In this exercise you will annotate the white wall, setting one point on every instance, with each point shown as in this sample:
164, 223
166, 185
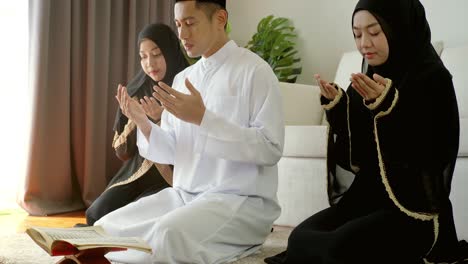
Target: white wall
324, 27
448, 20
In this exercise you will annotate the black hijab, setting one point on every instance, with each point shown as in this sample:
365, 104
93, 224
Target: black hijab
142, 84
409, 38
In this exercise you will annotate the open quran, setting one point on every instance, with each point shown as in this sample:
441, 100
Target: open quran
86, 245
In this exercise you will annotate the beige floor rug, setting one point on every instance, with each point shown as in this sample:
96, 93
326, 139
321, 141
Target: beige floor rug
20, 249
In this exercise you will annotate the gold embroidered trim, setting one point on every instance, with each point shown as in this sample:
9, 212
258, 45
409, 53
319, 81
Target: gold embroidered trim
116, 136
122, 138
416, 215
428, 262
335, 101
381, 98
145, 166
327, 179
436, 233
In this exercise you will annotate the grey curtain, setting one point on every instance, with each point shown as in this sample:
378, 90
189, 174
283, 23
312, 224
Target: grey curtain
79, 51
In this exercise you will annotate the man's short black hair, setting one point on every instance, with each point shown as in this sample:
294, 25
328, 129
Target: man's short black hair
221, 3
209, 7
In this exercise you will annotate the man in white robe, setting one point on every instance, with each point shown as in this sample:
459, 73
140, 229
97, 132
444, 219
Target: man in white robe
223, 130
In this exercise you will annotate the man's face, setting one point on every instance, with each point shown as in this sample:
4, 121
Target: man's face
197, 33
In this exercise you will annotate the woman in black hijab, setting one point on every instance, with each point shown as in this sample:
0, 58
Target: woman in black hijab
396, 130
161, 59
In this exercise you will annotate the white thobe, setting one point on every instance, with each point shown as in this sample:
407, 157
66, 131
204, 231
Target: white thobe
223, 201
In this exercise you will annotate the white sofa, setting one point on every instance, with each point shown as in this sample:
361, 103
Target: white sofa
302, 169
302, 183
456, 60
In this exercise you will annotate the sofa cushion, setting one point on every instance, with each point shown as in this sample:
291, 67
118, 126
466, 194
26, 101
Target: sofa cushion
305, 141
463, 147
302, 189
349, 63
438, 46
301, 104
459, 197
455, 59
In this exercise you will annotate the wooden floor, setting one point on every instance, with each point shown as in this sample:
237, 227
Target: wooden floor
17, 220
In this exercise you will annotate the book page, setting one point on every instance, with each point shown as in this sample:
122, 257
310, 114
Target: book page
73, 233
40, 239
91, 237
125, 242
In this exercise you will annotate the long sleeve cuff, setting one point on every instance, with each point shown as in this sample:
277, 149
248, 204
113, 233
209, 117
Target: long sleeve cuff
378, 101
142, 143
159, 148
385, 101
330, 104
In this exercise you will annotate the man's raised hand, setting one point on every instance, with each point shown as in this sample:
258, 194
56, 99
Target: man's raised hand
187, 107
152, 108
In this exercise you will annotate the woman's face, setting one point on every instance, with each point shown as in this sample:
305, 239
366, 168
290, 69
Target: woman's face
370, 38
152, 60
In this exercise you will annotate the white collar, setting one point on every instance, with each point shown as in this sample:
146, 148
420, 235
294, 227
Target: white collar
219, 56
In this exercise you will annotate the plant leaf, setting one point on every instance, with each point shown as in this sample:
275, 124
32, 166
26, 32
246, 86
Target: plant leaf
273, 42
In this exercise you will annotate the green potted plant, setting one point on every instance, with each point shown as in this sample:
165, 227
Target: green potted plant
274, 43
